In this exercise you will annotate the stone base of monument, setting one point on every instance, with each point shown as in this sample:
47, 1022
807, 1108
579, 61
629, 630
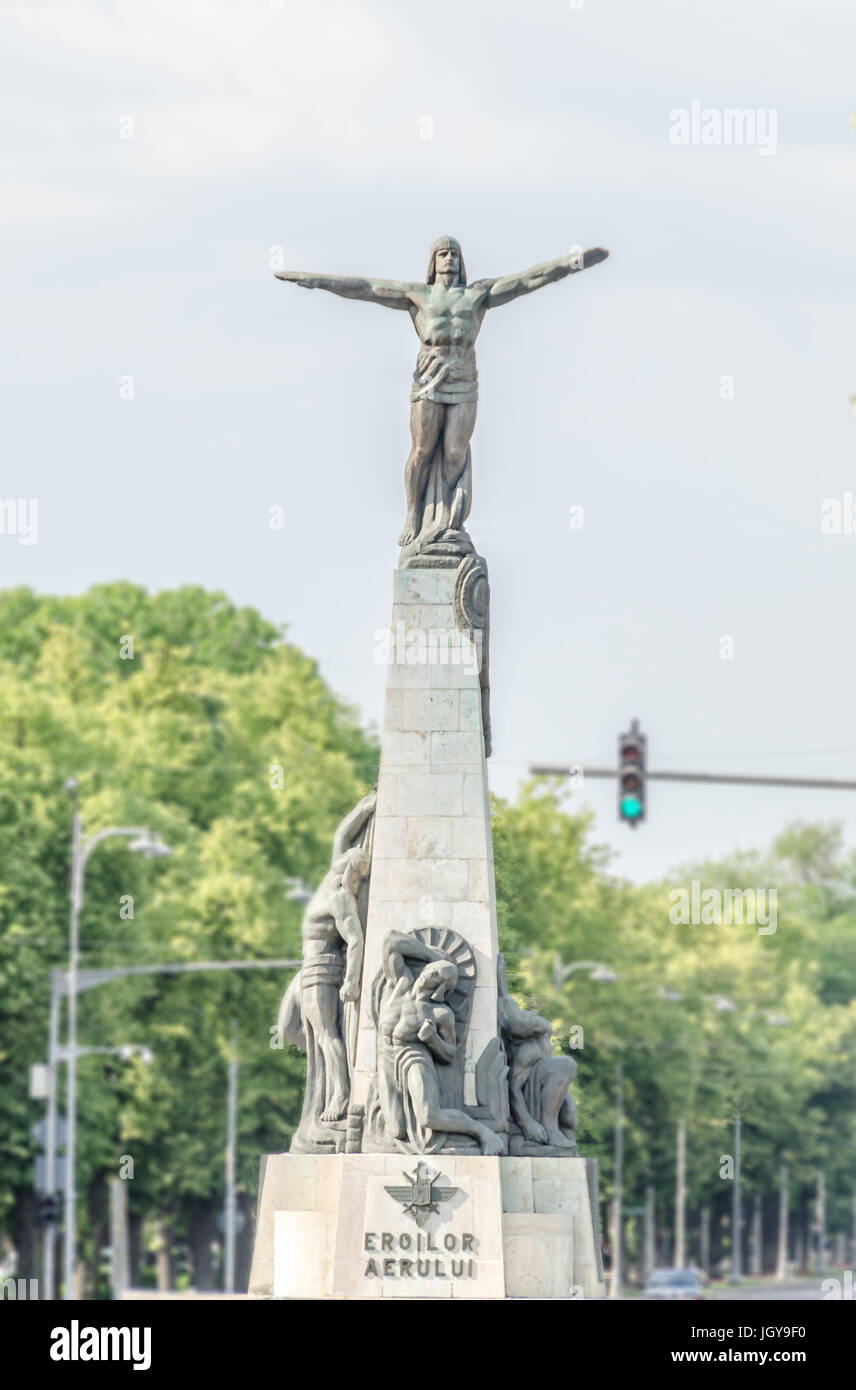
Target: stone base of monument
404, 1226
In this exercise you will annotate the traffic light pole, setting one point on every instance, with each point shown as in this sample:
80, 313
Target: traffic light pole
722, 778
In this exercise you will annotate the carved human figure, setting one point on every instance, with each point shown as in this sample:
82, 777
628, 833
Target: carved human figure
538, 1081
311, 1013
415, 1035
447, 314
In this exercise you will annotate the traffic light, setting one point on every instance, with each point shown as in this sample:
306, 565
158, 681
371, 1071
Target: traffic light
632, 751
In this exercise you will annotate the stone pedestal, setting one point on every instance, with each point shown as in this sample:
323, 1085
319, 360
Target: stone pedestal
432, 858
427, 1189
329, 1227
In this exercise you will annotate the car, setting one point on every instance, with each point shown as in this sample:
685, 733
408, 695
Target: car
674, 1283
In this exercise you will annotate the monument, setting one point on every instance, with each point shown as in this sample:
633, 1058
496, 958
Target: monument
435, 1155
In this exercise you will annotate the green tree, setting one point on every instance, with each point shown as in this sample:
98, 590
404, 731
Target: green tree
216, 733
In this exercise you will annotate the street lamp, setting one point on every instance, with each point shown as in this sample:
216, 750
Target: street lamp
143, 842
297, 891
130, 1050
596, 968
91, 979
152, 846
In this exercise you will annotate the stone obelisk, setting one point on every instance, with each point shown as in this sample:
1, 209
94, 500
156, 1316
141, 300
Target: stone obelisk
435, 1155
432, 862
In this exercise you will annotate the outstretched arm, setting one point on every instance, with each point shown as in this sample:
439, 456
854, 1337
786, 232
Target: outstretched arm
508, 287
348, 829
392, 294
521, 1023
399, 944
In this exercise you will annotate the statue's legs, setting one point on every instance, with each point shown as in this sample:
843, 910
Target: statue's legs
425, 1099
321, 1011
429, 420
391, 1105
457, 432
567, 1118
426, 422
554, 1076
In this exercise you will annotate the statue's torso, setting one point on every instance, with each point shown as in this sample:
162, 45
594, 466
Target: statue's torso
449, 316
447, 319
402, 1016
319, 925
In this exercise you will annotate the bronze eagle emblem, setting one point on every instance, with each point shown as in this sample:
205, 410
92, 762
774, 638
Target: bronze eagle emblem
420, 1198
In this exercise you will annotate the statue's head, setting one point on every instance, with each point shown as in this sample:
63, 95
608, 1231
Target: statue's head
356, 869
446, 258
436, 979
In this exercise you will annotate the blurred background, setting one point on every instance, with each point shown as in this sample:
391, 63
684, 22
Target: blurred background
201, 489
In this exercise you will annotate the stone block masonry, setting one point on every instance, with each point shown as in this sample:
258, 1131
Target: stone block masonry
432, 862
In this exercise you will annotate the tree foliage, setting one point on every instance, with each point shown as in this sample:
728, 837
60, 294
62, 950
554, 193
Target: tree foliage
179, 712
213, 731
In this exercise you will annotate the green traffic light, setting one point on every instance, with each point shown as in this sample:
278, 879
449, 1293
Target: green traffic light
631, 807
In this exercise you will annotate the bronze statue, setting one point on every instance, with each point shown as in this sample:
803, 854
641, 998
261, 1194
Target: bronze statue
314, 1009
447, 314
538, 1081
417, 1035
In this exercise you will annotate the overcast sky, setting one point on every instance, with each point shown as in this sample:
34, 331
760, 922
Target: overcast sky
156, 152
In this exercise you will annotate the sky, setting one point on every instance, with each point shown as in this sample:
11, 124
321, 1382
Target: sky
692, 395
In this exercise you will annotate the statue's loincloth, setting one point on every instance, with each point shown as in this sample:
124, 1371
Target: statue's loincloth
328, 969
407, 1056
445, 376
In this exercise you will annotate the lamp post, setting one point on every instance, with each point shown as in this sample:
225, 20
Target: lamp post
91, 979
736, 1209
230, 1205
57, 1054
153, 848
681, 1194
773, 1020
782, 1249
618, 1200
49, 1239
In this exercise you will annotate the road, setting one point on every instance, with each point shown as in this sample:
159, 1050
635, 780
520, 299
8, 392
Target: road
800, 1291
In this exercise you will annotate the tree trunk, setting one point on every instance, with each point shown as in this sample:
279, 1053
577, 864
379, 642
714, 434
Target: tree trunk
135, 1241
163, 1258
203, 1232
25, 1233
244, 1250
99, 1238
755, 1237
